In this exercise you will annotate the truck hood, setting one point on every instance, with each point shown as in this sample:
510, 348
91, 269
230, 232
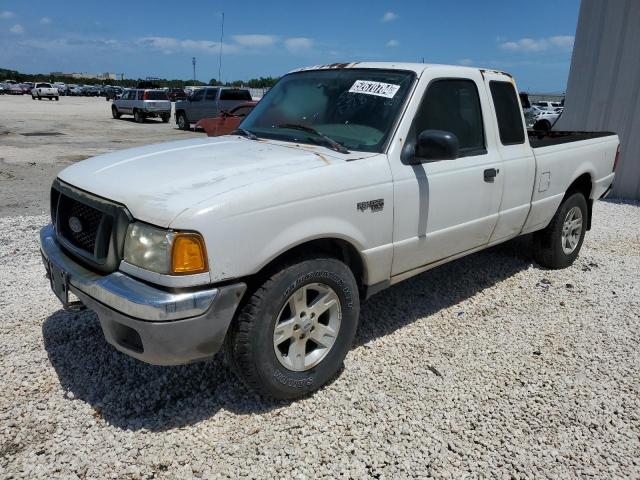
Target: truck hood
158, 182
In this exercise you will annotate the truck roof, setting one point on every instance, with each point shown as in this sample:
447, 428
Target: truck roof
418, 68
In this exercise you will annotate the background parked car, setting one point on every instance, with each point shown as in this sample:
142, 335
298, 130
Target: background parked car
208, 102
112, 92
90, 91
74, 90
62, 88
15, 89
226, 122
44, 90
545, 120
142, 104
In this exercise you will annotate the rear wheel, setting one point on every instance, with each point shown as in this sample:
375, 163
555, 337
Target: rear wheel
32, 97
295, 330
57, 99
138, 116
115, 112
558, 245
165, 118
183, 123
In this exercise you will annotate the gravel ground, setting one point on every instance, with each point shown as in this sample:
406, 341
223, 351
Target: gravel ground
489, 366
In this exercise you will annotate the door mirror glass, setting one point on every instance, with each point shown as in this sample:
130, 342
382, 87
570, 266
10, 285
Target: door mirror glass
434, 145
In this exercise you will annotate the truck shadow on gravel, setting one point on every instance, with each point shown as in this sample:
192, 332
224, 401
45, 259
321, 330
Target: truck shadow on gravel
132, 395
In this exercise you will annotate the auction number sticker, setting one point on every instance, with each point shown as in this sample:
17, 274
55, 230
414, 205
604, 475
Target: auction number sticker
379, 89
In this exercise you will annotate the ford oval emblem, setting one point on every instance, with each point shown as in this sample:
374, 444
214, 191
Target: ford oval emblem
75, 225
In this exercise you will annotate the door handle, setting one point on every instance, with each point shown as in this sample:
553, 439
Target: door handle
490, 174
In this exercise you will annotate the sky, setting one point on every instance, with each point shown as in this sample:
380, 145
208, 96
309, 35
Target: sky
531, 40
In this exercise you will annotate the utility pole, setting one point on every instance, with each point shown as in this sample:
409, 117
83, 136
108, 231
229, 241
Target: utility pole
193, 61
220, 59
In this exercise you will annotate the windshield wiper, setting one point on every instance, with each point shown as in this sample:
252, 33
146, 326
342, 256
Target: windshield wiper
244, 132
328, 140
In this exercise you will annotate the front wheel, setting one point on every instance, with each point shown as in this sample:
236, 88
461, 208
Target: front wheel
558, 245
183, 123
114, 112
295, 330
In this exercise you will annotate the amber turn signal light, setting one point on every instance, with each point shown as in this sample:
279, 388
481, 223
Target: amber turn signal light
188, 254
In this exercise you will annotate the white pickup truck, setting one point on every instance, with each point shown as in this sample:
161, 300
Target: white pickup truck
345, 179
44, 90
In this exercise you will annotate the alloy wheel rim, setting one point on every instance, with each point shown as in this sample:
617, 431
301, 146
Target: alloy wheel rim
307, 327
571, 230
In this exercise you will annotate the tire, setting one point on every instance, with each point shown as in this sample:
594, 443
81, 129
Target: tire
542, 126
251, 347
557, 246
32, 97
138, 116
181, 120
165, 118
57, 99
39, 97
114, 112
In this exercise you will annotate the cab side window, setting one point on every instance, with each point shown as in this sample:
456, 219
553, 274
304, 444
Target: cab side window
197, 95
453, 105
212, 94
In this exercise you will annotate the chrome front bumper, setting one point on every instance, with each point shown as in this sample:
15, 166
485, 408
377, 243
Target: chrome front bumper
151, 324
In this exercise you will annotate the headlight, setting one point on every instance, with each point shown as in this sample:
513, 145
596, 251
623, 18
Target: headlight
165, 251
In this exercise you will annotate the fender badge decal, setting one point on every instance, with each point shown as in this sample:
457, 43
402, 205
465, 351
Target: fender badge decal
374, 205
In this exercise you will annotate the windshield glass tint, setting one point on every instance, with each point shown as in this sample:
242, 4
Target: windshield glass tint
355, 107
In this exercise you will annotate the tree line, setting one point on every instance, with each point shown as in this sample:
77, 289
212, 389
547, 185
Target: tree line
6, 74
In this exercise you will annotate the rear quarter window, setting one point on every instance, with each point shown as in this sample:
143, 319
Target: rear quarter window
505, 102
235, 94
156, 95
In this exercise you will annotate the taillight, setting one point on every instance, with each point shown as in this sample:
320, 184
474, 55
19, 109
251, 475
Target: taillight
615, 162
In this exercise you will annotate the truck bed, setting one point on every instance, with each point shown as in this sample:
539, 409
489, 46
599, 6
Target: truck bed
539, 139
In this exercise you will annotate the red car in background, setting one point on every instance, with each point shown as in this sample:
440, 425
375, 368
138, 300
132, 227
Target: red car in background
226, 122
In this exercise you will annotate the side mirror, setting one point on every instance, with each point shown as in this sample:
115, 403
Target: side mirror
434, 145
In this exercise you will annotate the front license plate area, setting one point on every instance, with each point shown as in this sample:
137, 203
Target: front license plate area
59, 283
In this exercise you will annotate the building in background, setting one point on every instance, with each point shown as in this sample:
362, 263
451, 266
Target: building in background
96, 76
603, 92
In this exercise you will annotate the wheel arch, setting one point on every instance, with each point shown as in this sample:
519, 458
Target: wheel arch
336, 247
582, 184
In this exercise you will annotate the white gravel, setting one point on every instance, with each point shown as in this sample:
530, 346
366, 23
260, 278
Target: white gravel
489, 366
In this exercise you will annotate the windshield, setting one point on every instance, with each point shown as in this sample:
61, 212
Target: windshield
355, 107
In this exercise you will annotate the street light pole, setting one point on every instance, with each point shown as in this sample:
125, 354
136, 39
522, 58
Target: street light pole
220, 59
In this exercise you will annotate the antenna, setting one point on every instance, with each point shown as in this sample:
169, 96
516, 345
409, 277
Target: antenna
220, 59
193, 61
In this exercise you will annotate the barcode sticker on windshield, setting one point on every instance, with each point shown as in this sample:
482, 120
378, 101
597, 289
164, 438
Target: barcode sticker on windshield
379, 89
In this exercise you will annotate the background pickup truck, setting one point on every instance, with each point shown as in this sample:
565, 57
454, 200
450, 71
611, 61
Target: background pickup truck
208, 102
343, 180
44, 90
